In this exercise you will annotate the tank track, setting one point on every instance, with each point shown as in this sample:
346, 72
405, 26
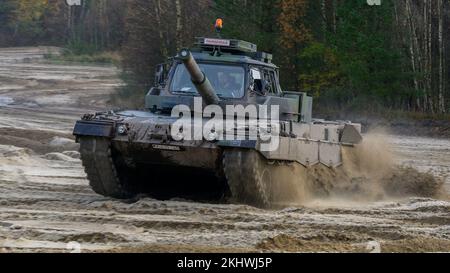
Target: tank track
101, 170
249, 177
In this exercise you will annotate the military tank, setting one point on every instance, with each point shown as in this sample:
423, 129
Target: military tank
126, 153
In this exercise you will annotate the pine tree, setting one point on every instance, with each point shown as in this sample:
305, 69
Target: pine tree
7, 17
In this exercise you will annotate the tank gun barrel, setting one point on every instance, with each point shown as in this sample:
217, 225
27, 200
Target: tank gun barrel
198, 77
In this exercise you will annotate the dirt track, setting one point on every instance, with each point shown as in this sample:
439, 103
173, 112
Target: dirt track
45, 201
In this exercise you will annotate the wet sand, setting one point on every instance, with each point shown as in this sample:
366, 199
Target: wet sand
46, 203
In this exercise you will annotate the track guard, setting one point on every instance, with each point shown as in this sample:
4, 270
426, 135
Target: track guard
94, 129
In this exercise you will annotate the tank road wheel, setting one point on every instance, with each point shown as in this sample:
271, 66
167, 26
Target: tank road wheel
101, 168
249, 177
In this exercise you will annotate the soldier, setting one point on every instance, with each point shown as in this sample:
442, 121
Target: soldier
228, 85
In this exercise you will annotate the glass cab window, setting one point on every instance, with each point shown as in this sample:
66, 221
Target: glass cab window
264, 81
228, 81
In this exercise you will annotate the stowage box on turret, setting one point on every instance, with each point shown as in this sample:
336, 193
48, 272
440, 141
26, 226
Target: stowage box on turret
217, 113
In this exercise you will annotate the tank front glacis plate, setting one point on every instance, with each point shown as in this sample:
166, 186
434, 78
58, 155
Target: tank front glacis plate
143, 137
148, 128
157, 132
94, 128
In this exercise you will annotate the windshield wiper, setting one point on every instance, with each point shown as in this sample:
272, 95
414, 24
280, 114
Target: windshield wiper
195, 93
185, 92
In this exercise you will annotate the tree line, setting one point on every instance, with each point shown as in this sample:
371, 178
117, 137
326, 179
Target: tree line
94, 25
346, 53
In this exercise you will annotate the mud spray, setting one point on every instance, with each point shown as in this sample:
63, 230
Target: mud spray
369, 173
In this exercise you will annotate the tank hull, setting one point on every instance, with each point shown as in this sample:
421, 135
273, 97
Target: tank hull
147, 137
140, 154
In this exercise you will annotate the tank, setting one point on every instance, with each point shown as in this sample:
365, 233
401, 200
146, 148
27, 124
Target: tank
216, 126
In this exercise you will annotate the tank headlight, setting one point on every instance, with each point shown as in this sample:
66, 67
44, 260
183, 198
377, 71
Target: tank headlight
122, 129
179, 136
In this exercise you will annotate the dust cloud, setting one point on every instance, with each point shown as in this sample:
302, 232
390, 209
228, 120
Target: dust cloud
369, 173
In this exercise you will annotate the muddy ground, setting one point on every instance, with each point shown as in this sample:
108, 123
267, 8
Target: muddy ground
47, 206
